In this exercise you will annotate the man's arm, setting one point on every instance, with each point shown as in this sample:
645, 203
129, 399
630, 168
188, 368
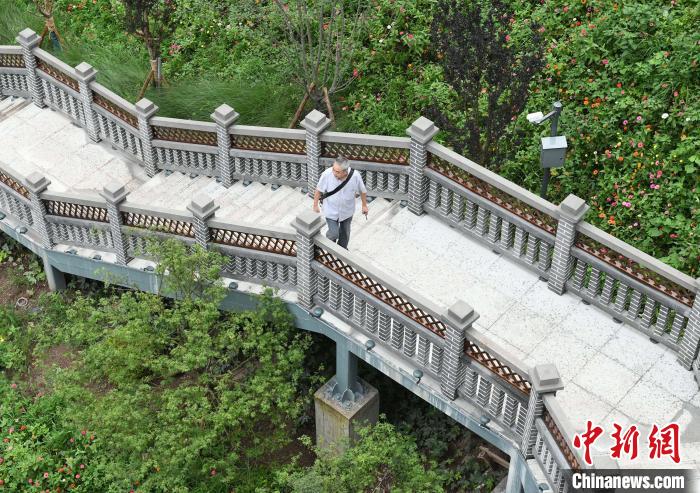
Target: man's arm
363, 194
317, 197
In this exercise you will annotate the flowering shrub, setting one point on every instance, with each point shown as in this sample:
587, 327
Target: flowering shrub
627, 75
36, 452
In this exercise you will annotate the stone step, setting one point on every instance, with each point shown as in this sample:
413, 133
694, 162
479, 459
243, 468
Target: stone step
268, 212
10, 106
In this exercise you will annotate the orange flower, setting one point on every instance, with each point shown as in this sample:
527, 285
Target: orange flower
595, 171
620, 159
601, 215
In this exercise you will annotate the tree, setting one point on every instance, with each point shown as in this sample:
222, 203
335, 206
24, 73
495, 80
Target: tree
45, 8
324, 35
489, 67
152, 21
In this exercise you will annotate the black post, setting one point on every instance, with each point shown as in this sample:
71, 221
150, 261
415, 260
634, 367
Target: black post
545, 183
556, 111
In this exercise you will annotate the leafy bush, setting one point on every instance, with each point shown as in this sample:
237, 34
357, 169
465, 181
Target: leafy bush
174, 395
383, 459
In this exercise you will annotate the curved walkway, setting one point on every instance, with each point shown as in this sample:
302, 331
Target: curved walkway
612, 373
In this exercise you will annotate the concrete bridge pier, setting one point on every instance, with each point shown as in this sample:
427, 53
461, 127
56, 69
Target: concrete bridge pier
54, 277
344, 403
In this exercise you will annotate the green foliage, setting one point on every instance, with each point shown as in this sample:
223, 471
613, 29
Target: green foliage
383, 459
627, 76
177, 395
14, 342
36, 451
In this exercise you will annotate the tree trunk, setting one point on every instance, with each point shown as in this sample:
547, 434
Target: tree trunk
154, 54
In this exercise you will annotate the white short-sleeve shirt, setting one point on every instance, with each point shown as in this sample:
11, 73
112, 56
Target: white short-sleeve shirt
340, 205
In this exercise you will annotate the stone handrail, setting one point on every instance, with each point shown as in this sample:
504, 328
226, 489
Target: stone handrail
436, 339
550, 240
636, 264
495, 188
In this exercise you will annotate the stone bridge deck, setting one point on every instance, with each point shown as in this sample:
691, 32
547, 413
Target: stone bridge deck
612, 373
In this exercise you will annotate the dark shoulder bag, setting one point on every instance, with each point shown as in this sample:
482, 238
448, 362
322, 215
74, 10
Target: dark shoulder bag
325, 195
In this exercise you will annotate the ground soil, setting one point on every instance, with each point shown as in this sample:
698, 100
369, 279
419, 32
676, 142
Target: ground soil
11, 292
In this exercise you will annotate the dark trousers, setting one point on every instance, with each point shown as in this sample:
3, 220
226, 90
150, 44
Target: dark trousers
339, 231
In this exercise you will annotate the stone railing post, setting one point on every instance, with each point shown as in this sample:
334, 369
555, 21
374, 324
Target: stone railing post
421, 132
458, 318
544, 379
86, 74
571, 212
307, 225
29, 40
145, 109
690, 345
314, 123
202, 208
115, 194
36, 184
225, 117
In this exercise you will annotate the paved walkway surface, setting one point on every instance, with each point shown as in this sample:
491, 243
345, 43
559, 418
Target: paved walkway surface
612, 373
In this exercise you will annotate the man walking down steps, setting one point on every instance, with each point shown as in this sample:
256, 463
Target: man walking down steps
336, 191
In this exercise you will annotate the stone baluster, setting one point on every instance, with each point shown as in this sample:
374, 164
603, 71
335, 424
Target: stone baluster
115, 194
421, 132
544, 379
571, 212
690, 344
307, 225
29, 40
202, 208
314, 123
458, 318
85, 75
145, 109
225, 117
36, 184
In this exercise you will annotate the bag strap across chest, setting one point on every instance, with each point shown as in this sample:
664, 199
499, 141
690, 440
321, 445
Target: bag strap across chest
325, 195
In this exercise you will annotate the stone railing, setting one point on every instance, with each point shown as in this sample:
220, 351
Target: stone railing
636, 288
439, 341
509, 219
552, 241
13, 73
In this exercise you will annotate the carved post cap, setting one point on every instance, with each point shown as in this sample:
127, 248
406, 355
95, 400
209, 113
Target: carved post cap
145, 107
114, 192
85, 72
545, 378
308, 223
422, 130
36, 182
460, 315
28, 38
202, 206
574, 207
315, 122
224, 115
